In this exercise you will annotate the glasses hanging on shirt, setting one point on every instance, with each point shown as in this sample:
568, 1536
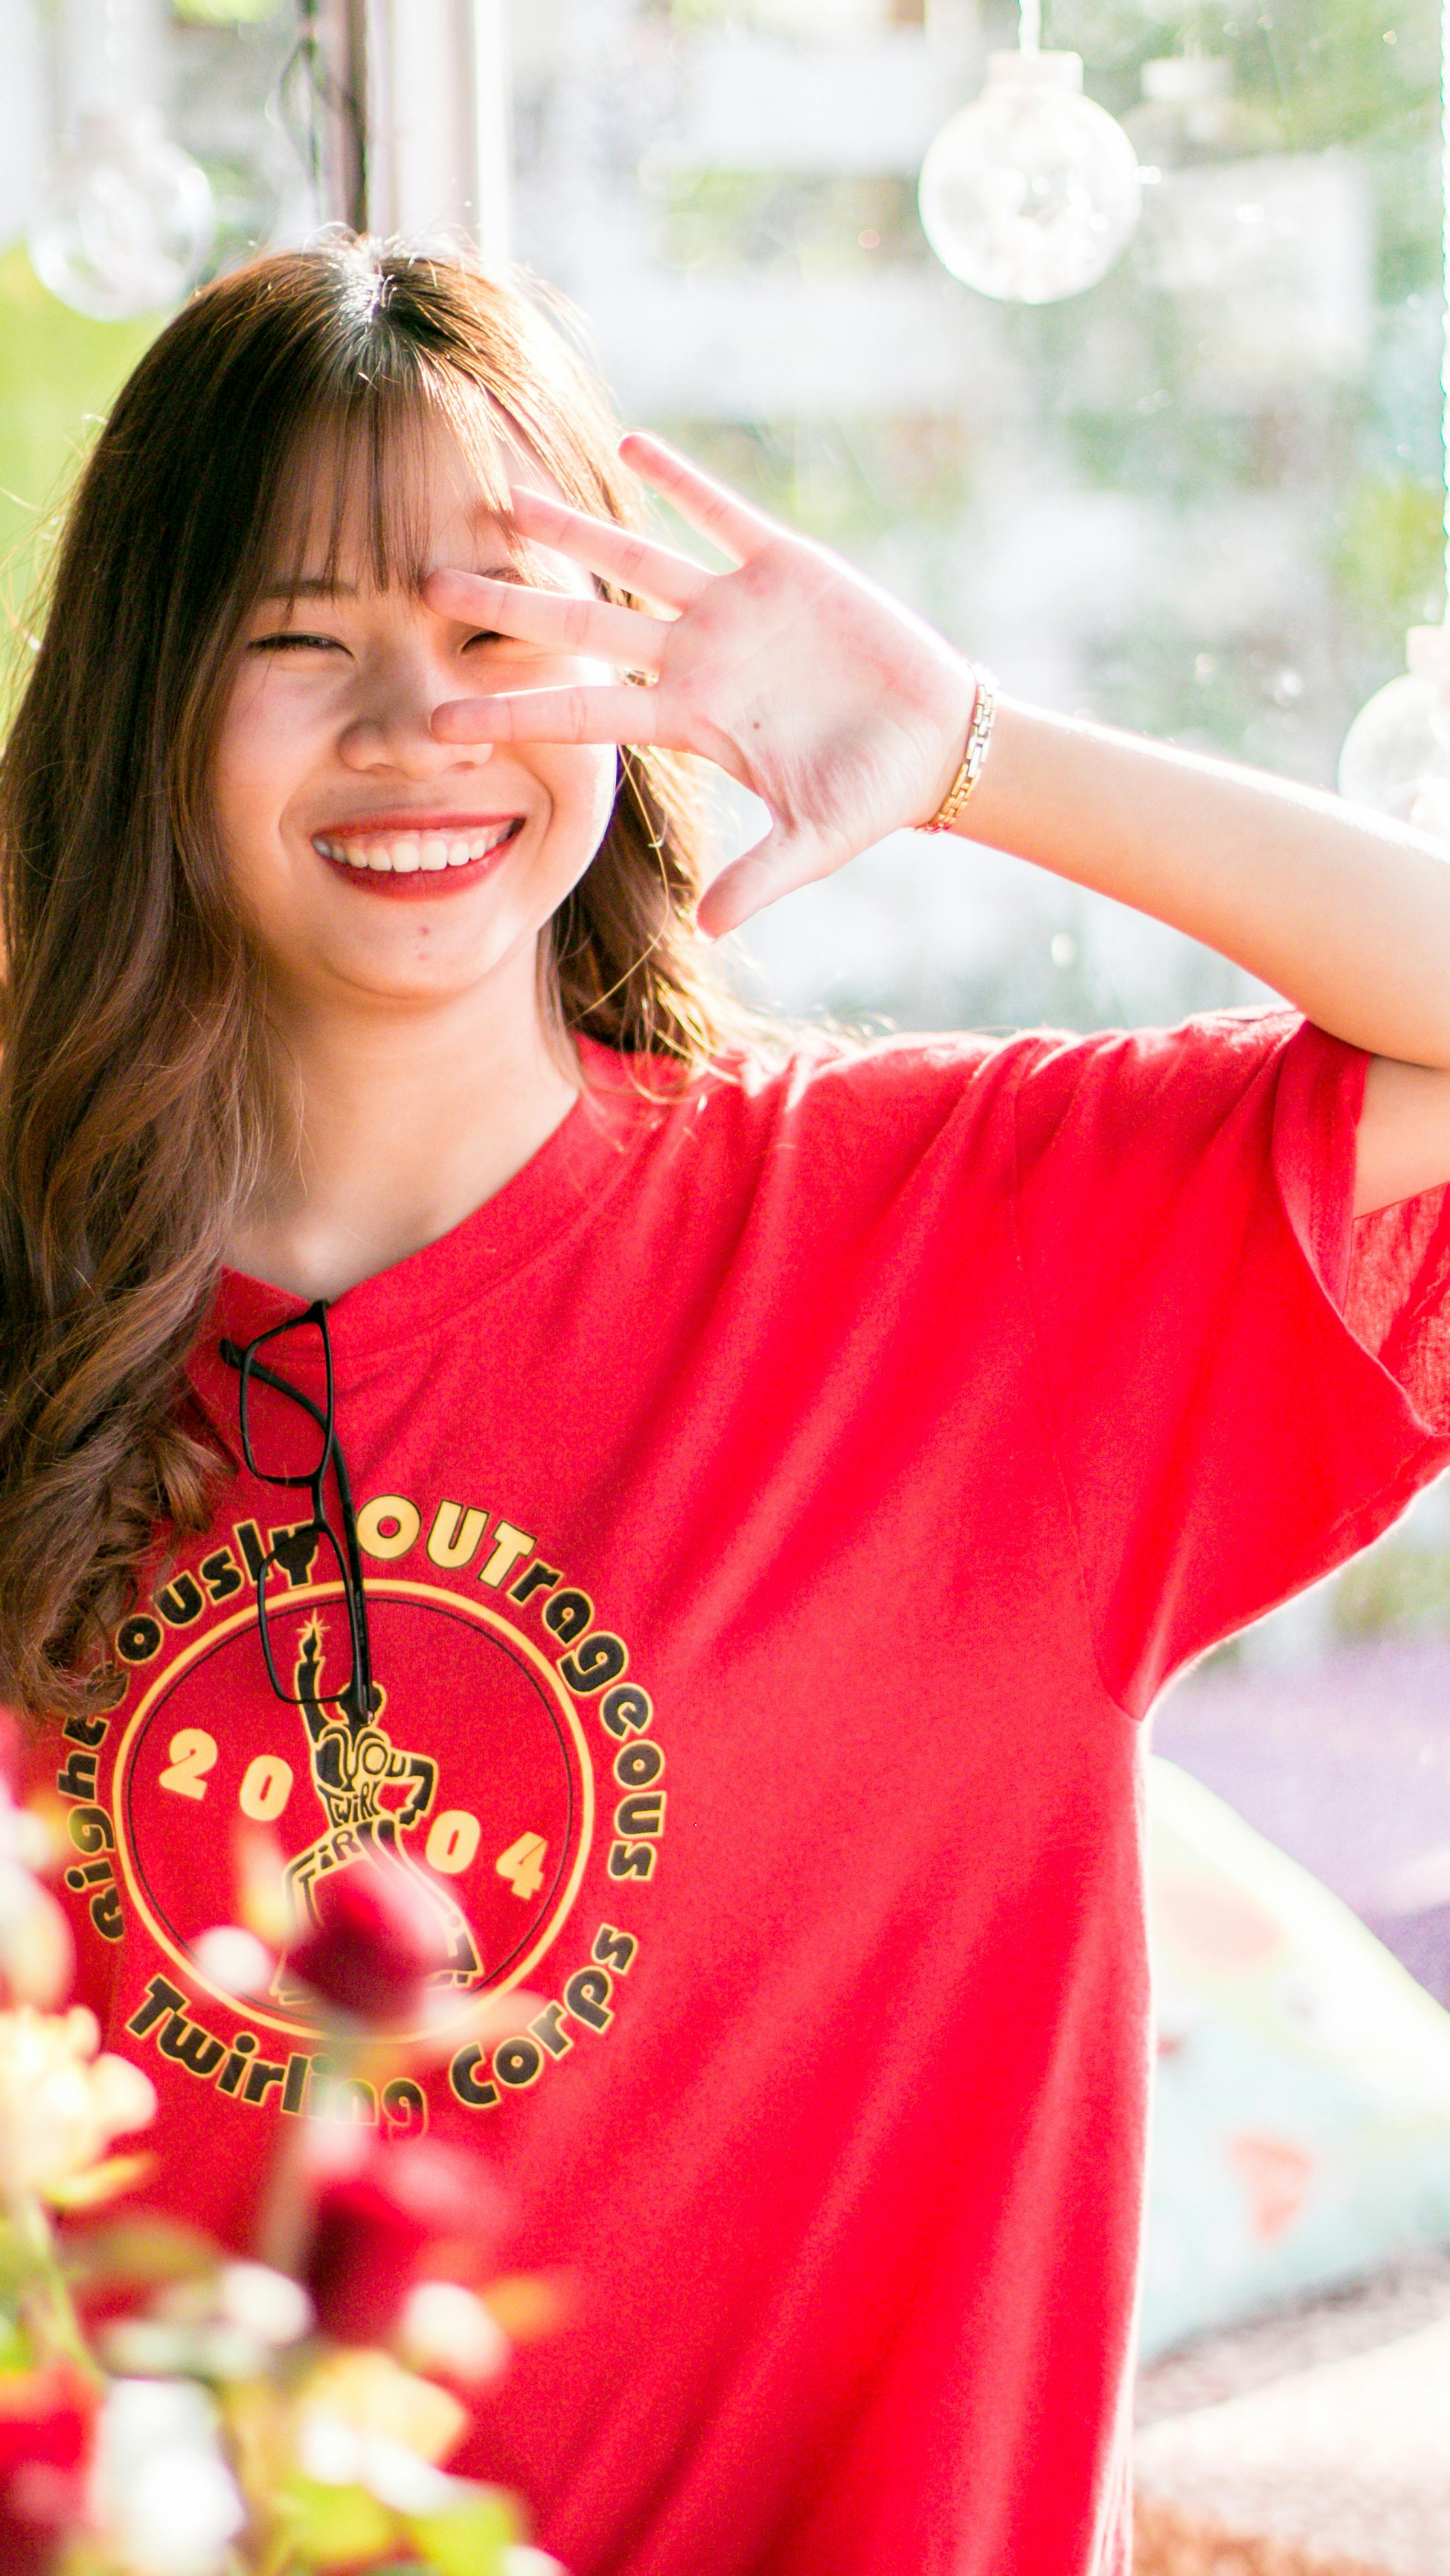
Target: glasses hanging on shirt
289, 1439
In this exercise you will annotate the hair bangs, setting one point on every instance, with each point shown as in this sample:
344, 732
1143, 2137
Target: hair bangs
354, 503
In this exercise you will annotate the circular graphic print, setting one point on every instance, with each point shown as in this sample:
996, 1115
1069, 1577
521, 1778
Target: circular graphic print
471, 1774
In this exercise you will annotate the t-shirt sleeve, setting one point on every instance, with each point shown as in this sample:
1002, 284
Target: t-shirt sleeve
1244, 1385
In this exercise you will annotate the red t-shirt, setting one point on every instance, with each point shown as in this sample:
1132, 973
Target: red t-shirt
778, 1507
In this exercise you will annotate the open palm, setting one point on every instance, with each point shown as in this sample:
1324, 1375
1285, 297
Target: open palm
841, 711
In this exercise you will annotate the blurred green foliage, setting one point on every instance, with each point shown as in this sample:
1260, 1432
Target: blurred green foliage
714, 219
225, 13
1400, 1585
1388, 552
59, 373
1332, 71
838, 480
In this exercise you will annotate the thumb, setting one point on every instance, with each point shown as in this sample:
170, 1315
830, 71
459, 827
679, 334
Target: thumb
784, 860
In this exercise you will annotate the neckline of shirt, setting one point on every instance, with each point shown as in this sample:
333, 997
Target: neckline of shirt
559, 1186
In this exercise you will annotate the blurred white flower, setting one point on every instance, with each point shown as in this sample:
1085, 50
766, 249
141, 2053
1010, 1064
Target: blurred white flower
361, 2395
36, 1952
37, 1955
227, 2324
444, 2327
232, 1957
264, 2303
336, 2454
61, 2104
163, 2493
154, 2348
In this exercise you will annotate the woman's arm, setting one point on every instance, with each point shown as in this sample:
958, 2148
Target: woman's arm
1346, 915
847, 716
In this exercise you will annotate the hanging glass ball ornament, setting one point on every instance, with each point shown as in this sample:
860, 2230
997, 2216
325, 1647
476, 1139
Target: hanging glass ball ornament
1031, 192
1396, 754
125, 222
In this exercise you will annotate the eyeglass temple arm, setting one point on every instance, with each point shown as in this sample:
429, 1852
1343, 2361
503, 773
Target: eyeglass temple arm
357, 1603
236, 1359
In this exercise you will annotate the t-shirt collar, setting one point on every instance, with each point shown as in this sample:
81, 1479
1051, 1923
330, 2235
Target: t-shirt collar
555, 1191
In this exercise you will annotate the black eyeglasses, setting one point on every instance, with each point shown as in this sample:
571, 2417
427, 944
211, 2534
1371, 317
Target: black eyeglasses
289, 1440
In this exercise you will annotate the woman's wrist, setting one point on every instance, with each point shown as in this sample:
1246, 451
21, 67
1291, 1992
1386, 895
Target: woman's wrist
974, 748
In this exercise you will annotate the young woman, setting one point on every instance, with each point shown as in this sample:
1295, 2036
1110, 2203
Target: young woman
715, 1521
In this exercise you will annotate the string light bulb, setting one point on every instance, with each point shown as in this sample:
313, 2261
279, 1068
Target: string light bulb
124, 224
1031, 193
1396, 754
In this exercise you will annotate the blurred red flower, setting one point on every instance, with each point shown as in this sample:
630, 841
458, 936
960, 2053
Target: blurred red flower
47, 2421
411, 2210
377, 1941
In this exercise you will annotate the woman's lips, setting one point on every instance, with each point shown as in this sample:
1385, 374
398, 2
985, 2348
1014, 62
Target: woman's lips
440, 855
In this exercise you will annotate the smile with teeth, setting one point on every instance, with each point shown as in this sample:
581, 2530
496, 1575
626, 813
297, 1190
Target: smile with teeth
395, 853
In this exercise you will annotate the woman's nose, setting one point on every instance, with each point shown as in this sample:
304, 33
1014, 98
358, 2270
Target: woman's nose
392, 729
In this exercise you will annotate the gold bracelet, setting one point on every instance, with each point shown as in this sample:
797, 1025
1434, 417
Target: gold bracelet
979, 736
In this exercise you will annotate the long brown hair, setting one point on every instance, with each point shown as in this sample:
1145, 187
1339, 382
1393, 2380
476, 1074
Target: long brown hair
135, 1114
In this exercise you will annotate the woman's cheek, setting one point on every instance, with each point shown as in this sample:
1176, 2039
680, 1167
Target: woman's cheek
583, 787
606, 788
265, 748
596, 764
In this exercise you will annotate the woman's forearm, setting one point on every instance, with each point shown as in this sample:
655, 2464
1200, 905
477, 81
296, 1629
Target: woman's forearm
1345, 914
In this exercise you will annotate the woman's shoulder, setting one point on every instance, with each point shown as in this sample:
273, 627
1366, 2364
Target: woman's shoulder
788, 1082
823, 1074
827, 1072
821, 1144
817, 1117
877, 1101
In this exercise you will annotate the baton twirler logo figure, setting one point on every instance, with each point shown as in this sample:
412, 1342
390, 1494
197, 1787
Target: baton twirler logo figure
355, 1765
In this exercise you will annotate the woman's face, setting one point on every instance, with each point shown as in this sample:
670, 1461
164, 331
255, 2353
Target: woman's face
374, 863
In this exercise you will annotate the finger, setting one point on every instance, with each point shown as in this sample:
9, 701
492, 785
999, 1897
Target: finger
625, 715
776, 866
559, 619
602, 546
712, 507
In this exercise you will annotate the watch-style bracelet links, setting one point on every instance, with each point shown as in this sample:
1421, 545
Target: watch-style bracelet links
979, 736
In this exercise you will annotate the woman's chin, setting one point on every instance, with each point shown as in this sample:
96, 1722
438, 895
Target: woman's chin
410, 962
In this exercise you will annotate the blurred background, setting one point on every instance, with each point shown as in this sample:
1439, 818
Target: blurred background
1203, 498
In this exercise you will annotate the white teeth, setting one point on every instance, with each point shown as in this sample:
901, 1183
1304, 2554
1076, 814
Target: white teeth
406, 853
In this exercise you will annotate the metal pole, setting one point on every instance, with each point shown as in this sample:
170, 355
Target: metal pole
493, 93
334, 38
440, 121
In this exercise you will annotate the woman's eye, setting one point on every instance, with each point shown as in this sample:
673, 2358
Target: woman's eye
292, 643
485, 635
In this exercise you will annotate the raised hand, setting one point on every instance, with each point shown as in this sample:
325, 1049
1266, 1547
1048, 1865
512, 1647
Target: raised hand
840, 710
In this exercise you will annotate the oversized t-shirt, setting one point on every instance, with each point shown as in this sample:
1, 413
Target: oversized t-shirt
779, 1506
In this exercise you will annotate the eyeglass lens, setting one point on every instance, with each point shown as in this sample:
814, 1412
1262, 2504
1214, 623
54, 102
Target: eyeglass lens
298, 1671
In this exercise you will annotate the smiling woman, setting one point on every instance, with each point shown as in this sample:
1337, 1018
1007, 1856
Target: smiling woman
753, 1493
